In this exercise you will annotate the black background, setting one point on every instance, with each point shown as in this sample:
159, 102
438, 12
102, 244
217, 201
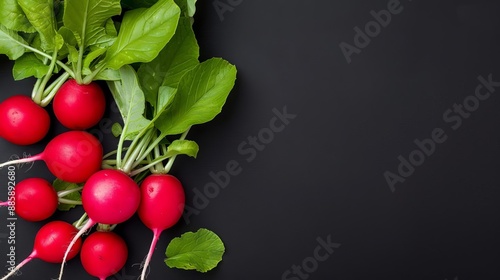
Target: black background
322, 176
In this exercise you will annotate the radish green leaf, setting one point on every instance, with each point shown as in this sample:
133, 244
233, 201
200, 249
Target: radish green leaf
40, 14
130, 101
200, 96
201, 251
29, 65
87, 19
143, 33
11, 44
182, 147
179, 55
13, 17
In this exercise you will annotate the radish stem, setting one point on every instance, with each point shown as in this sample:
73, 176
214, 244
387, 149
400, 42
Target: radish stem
78, 224
69, 201
170, 162
35, 88
21, 264
156, 237
90, 223
60, 63
53, 88
135, 149
40, 90
151, 164
22, 160
66, 192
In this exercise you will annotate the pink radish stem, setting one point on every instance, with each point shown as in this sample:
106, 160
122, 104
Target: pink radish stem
20, 265
156, 237
88, 225
6, 203
23, 160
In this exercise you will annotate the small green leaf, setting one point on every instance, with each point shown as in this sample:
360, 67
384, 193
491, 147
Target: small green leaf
107, 75
183, 147
29, 65
91, 56
116, 129
201, 251
88, 18
143, 33
199, 98
179, 56
68, 36
11, 44
130, 101
73, 54
59, 186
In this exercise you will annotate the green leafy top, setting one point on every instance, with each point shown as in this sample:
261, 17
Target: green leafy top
149, 57
201, 251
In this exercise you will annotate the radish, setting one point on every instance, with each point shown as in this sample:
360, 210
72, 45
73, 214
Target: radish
23, 121
103, 254
162, 204
35, 199
51, 245
79, 106
109, 196
70, 156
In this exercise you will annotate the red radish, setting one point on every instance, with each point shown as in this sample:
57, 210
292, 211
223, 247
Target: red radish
71, 156
162, 204
51, 244
35, 199
79, 106
103, 254
109, 196
23, 121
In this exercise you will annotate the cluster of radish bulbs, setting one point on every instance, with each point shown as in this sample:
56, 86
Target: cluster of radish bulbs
109, 196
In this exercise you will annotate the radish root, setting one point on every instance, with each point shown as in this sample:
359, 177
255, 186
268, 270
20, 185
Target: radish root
156, 237
18, 267
86, 227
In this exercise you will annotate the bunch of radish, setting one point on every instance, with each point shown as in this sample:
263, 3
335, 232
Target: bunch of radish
149, 64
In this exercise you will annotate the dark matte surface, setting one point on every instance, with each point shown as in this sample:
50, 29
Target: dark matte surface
321, 177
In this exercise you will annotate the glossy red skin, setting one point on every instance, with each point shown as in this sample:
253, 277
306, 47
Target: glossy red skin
36, 199
78, 106
22, 121
110, 197
103, 254
162, 201
73, 156
53, 239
